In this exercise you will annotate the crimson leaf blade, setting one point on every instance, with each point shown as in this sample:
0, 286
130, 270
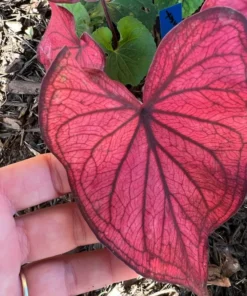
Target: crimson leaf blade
61, 32
155, 179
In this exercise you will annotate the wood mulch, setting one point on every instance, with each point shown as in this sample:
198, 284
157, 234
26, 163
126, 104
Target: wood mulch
22, 24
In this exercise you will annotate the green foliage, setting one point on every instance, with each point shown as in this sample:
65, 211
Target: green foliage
81, 16
144, 10
189, 6
96, 13
130, 61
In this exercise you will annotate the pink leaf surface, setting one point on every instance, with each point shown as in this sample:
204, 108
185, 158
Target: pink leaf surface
154, 179
239, 5
61, 32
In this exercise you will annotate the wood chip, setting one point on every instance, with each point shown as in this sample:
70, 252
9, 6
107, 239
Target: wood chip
1, 146
216, 278
12, 123
115, 292
33, 151
231, 265
14, 26
222, 282
24, 87
168, 291
15, 66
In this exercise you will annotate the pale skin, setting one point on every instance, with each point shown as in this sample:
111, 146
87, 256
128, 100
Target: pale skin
42, 237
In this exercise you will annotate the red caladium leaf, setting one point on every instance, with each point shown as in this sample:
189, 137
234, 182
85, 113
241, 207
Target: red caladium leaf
154, 179
240, 5
61, 32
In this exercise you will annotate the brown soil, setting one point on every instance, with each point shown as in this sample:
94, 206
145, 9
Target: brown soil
22, 24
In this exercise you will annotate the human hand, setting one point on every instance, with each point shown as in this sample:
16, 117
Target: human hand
46, 233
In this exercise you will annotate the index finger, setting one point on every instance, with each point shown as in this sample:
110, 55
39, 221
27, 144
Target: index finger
33, 181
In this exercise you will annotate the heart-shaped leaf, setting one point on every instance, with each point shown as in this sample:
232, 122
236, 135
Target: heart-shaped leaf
154, 179
61, 32
130, 61
240, 5
189, 6
81, 17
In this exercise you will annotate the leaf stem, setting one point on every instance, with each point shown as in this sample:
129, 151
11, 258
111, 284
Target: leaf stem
110, 25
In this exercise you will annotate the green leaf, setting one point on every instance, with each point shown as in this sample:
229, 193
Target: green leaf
189, 6
104, 37
81, 16
130, 61
144, 10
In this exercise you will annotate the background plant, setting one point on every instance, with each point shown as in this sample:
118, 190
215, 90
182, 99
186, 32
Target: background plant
126, 31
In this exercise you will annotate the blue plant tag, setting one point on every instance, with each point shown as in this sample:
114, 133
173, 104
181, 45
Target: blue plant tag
169, 18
